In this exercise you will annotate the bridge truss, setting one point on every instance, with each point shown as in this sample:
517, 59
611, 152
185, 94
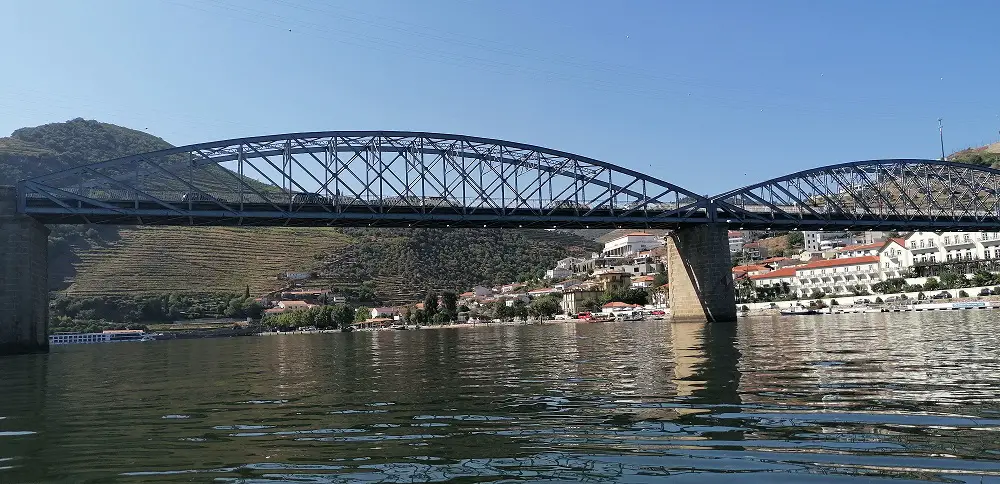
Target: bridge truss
905, 194
377, 178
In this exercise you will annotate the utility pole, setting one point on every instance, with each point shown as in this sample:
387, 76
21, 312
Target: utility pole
941, 135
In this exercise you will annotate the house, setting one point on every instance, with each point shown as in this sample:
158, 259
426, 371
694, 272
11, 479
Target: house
616, 306
614, 281
292, 305
375, 323
567, 284
859, 250
511, 287
545, 291
643, 281
509, 299
385, 313
750, 270
572, 301
755, 250
558, 273
778, 262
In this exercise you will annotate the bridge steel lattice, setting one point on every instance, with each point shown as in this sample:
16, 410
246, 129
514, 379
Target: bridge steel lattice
377, 178
904, 194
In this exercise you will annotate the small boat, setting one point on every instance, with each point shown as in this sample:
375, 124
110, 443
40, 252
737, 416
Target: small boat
798, 310
348, 328
400, 327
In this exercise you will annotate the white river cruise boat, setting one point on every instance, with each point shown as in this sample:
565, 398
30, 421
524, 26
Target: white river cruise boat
109, 336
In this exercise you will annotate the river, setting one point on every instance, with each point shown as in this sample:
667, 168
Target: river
907, 396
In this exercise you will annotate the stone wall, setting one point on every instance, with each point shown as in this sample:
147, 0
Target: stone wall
24, 297
700, 270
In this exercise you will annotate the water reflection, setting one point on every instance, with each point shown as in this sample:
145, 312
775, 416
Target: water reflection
905, 396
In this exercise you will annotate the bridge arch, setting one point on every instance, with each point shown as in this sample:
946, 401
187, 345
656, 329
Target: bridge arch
380, 178
892, 194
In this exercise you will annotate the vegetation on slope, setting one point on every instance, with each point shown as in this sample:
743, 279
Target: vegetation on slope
984, 156
385, 265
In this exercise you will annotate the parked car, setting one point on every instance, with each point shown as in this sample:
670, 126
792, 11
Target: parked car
942, 295
985, 292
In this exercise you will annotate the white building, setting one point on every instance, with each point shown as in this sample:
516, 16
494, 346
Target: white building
861, 266
832, 277
631, 244
735, 241
558, 273
823, 241
933, 247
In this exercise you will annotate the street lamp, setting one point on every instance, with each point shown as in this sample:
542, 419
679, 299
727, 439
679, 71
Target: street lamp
941, 135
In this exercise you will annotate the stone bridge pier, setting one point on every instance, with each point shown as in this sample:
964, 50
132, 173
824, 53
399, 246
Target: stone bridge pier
700, 270
24, 291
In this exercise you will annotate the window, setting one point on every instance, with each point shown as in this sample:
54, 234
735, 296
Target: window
967, 238
968, 255
986, 254
949, 256
933, 258
923, 259
947, 240
922, 244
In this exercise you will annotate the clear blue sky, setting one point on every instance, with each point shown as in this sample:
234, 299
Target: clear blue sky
708, 95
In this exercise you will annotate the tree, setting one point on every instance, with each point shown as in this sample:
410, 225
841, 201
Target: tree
590, 305
343, 315
234, 308
430, 304
544, 307
252, 309
795, 239
931, 284
520, 309
441, 318
952, 280
660, 279
879, 300
362, 313
450, 302
963, 294
982, 278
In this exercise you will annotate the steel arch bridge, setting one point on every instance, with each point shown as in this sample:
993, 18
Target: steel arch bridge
902, 194
376, 178
399, 179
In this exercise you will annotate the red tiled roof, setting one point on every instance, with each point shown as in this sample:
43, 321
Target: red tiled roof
876, 245
847, 261
467, 294
616, 304
750, 267
775, 259
783, 272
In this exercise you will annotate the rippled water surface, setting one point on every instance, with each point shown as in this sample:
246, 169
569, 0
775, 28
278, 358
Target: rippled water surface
906, 396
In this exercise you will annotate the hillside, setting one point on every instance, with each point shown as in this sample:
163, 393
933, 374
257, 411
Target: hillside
398, 264
985, 155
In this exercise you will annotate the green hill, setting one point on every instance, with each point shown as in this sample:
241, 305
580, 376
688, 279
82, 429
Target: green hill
984, 155
399, 265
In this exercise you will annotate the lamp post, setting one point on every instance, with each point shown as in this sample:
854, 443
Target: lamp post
941, 135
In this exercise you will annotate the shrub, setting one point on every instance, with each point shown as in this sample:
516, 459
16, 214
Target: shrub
879, 300
963, 294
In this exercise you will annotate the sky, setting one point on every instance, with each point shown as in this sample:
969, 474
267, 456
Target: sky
709, 95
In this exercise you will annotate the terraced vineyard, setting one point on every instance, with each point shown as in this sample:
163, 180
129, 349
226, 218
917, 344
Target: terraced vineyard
158, 260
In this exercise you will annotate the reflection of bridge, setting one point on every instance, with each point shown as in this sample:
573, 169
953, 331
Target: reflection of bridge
382, 178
